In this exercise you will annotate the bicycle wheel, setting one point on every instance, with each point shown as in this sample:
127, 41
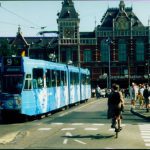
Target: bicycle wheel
116, 131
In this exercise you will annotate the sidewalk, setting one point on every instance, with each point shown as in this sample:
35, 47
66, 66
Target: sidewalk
140, 112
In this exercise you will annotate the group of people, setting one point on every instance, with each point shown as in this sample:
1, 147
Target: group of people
140, 93
116, 102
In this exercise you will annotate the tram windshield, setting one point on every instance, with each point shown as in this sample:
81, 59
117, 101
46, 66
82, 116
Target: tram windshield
12, 83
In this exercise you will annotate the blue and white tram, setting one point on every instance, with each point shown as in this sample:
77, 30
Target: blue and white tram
33, 87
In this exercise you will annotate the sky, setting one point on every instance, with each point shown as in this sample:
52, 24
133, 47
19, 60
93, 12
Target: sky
32, 15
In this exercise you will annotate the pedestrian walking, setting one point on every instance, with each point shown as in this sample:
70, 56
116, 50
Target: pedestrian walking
98, 90
146, 94
140, 99
133, 94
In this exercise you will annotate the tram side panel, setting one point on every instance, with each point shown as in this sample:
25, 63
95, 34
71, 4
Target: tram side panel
85, 84
74, 86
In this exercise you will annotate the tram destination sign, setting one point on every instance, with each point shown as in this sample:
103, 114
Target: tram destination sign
12, 61
12, 64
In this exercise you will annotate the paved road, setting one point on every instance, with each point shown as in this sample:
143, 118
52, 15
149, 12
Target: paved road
82, 127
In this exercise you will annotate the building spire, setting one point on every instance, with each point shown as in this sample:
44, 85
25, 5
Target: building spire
122, 5
19, 29
68, 10
68, 2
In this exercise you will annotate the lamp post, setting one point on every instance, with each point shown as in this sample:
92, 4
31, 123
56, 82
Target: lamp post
106, 76
148, 72
129, 72
109, 41
29, 50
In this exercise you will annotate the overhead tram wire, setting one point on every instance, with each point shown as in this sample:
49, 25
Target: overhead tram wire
26, 20
13, 24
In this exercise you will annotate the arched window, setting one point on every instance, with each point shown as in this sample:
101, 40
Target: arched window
122, 50
104, 51
139, 50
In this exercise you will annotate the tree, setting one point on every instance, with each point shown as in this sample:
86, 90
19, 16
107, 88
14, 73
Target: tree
5, 49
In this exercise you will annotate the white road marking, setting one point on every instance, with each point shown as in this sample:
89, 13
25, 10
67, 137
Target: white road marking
44, 129
146, 140
147, 144
79, 141
70, 135
57, 123
145, 133
63, 129
77, 124
111, 129
65, 141
90, 129
146, 136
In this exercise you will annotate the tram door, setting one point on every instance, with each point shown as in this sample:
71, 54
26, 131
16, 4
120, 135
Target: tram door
40, 91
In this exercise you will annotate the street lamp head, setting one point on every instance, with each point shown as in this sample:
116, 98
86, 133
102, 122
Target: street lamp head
69, 62
109, 41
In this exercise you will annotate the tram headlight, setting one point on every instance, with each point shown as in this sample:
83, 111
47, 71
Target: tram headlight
18, 100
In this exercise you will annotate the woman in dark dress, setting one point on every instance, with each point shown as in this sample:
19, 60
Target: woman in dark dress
115, 106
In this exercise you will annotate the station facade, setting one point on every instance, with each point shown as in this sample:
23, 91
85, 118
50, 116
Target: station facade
116, 51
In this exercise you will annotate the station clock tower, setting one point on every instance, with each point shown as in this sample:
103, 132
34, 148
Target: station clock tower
69, 36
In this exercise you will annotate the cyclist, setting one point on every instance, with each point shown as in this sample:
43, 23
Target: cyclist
115, 107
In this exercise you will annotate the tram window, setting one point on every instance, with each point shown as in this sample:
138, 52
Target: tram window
72, 79
28, 75
48, 78
34, 83
63, 78
76, 78
38, 77
58, 78
54, 78
27, 85
12, 83
83, 79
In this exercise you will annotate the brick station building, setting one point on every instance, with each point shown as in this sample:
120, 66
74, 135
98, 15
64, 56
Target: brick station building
117, 50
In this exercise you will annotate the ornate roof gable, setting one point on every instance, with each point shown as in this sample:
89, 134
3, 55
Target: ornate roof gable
68, 10
121, 17
122, 20
20, 39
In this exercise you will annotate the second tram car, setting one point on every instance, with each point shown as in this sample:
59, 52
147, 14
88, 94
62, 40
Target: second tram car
33, 87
